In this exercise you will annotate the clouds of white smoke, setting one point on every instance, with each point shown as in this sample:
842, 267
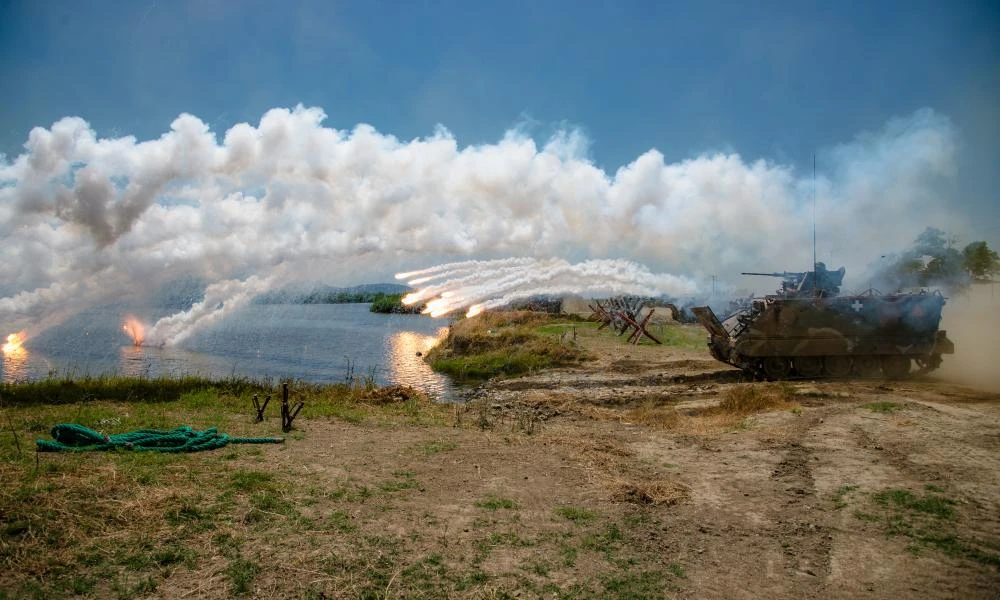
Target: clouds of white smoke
84, 219
489, 284
221, 298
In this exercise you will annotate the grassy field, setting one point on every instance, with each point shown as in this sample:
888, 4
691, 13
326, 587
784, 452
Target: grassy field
514, 343
368, 519
505, 343
120, 523
380, 493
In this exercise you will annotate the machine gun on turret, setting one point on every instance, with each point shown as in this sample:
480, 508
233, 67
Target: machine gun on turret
818, 283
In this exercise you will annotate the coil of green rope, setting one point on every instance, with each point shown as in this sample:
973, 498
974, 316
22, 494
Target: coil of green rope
70, 437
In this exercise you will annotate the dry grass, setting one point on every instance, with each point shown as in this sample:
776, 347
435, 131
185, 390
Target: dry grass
613, 465
749, 398
502, 343
393, 394
662, 492
290, 521
738, 403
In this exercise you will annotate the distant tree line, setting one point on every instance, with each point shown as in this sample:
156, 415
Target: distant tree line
935, 260
322, 294
393, 303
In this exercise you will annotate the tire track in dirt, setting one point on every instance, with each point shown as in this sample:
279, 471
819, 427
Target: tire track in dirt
806, 543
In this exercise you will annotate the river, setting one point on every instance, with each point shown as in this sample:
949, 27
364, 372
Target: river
320, 343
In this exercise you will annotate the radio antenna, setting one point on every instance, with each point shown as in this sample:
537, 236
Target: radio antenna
815, 281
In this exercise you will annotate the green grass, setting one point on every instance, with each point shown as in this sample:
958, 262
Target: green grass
681, 335
99, 403
497, 503
928, 521
562, 329
840, 496
124, 525
937, 506
576, 515
517, 359
392, 303
884, 407
126, 389
241, 573
402, 480
507, 343
436, 447
636, 584
244, 480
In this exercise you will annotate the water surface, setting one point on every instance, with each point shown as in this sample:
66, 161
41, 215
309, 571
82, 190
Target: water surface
320, 343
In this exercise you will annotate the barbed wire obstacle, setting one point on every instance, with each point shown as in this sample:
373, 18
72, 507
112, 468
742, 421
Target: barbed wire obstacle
623, 314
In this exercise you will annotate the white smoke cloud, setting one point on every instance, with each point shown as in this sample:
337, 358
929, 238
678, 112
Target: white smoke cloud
489, 284
85, 219
221, 298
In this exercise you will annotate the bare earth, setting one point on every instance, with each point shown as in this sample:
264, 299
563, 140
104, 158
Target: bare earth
786, 505
566, 484
759, 514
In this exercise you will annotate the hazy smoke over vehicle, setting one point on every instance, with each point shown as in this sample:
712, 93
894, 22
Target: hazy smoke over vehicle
85, 219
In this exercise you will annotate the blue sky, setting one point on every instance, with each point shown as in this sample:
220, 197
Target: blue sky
779, 80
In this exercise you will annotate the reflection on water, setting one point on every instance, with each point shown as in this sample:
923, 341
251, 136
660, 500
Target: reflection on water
146, 361
315, 343
406, 367
15, 364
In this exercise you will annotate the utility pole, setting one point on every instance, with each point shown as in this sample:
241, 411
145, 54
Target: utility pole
713, 286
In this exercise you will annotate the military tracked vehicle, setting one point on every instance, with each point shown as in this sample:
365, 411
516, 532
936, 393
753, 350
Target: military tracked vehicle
808, 330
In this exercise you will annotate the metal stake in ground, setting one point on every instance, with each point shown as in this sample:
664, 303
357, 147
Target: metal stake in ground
260, 407
288, 414
641, 329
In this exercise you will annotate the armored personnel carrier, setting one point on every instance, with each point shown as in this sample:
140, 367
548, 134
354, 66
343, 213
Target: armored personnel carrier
808, 330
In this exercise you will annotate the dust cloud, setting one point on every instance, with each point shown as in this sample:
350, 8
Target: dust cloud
972, 321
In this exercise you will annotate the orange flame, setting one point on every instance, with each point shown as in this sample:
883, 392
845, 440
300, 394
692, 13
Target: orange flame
14, 342
474, 310
135, 330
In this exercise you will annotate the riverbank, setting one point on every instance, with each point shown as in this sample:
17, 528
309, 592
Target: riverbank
646, 471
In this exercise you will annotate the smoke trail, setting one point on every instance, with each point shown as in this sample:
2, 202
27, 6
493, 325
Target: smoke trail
221, 299
489, 284
85, 219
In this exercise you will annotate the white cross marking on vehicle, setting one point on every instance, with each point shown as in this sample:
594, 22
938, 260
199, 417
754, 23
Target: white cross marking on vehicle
857, 306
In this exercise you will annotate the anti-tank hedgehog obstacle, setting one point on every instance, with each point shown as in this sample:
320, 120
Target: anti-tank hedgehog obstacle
623, 314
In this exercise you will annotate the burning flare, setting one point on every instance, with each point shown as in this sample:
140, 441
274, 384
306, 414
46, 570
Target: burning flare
477, 285
135, 330
14, 342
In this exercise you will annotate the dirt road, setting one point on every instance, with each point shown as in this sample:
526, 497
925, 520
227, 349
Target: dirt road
859, 489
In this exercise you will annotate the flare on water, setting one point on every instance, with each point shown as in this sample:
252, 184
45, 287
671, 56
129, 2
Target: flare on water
135, 330
14, 342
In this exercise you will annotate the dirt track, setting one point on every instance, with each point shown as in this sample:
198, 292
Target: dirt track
851, 489
624, 478
793, 503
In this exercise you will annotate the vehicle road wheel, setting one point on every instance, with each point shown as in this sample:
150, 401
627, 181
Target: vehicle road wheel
868, 366
928, 364
837, 366
896, 366
776, 367
809, 366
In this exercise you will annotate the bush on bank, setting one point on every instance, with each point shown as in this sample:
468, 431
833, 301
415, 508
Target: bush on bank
502, 343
